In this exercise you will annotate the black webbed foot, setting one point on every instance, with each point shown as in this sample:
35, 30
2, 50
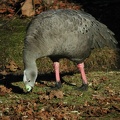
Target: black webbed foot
83, 87
57, 86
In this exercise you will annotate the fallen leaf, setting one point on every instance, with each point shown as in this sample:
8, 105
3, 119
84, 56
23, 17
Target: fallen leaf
56, 93
44, 97
27, 8
12, 66
3, 72
4, 90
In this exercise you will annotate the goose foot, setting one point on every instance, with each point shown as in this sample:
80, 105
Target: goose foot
57, 86
83, 87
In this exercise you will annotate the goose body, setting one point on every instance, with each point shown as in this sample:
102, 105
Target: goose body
62, 34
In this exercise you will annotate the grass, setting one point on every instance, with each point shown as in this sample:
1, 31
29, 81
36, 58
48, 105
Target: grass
101, 84
11, 37
102, 73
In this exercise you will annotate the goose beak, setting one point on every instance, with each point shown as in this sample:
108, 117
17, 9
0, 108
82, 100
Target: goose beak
28, 88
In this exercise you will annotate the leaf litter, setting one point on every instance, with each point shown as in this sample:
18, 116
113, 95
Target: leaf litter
4, 90
12, 66
54, 105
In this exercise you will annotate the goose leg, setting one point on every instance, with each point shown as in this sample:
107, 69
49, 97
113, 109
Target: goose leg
57, 75
84, 86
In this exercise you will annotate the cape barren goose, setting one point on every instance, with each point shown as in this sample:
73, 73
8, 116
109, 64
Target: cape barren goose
63, 34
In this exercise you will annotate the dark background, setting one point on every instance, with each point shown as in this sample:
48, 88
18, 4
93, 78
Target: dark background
106, 11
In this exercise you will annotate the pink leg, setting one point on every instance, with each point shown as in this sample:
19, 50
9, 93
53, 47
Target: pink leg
57, 71
81, 69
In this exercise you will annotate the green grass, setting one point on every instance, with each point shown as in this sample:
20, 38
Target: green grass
11, 40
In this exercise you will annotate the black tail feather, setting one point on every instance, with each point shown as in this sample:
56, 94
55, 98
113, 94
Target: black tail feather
102, 36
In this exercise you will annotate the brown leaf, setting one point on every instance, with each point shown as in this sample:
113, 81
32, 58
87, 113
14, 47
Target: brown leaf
44, 97
20, 108
3, 72
12, 66
57, 94
4, 90
30, 112
3, 10
86, 103
10, 10
27, 8
5, 118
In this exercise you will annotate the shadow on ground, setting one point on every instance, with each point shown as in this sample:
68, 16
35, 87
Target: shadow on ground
11, 78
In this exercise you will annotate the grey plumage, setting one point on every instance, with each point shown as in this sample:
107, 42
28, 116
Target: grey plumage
64, 33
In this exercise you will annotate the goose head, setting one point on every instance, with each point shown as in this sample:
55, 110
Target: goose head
29, 79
